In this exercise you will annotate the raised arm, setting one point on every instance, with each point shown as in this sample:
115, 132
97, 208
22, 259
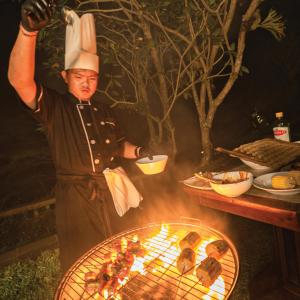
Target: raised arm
22, 65
35, 15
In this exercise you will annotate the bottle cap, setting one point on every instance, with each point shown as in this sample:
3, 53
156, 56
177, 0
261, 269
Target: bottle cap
279, 114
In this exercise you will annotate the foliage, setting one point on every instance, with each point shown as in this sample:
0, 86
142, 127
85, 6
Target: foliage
31, 279
165, 51
273, 23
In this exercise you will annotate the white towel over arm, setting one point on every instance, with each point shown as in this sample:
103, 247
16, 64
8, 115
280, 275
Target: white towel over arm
123, 192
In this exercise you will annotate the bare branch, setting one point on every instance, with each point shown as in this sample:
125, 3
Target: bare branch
238, 61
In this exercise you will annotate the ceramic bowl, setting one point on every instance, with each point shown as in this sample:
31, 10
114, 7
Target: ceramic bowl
232, 184
152, 166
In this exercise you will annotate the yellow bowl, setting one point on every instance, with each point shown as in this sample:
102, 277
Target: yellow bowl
236, 186
152, 166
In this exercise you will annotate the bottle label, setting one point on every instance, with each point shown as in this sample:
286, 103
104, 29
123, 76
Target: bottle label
282, 133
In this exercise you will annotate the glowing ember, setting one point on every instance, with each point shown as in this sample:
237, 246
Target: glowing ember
201, 250
216, 290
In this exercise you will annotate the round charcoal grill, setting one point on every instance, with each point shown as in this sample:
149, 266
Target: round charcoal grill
160, 278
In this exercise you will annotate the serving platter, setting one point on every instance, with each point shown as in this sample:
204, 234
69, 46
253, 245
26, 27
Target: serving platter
197, 183
264, 182
256, 166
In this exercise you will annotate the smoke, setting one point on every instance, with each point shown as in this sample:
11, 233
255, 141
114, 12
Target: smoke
176, 206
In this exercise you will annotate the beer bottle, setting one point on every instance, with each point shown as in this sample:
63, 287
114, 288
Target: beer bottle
281, 128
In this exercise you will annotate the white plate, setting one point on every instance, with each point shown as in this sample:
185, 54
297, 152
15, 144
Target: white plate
197, 183
264, 182
255, 166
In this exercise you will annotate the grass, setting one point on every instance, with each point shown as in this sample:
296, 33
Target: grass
31, 279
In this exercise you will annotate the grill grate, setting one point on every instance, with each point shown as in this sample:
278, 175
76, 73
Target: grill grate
160, 278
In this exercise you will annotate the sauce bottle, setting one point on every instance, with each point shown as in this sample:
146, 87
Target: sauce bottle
281, 128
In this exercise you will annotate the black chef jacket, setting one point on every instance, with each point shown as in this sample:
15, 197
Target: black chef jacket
84, 139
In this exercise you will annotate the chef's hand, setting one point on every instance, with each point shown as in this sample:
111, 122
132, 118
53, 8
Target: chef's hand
146, 152
36, 14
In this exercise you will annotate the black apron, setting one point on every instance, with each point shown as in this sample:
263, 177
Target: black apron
84, 212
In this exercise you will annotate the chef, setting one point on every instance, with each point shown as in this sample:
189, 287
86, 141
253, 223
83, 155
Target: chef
83, 134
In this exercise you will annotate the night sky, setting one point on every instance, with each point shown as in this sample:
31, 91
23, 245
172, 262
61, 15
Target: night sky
272, 85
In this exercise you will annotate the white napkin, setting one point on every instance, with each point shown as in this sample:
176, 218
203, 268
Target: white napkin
123, 192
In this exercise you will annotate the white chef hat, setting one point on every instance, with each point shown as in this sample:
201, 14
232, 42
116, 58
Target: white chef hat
81, 47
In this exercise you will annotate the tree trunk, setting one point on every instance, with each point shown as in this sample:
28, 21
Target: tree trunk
207, 147
171, 138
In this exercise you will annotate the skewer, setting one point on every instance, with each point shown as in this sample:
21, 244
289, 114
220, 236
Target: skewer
179, 282
241, 155
202, 176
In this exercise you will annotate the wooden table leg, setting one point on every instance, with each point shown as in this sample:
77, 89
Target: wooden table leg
267, 284
289, 253
281, 280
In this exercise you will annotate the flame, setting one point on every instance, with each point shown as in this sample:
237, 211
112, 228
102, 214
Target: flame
113, 256
124, 281
216, 290
201, 250
162, 250
156, 247
123, 244
135, 238
105, 294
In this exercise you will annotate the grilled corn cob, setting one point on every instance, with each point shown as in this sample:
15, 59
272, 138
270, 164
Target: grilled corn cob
217, 249
186, 261
191, 240
283, 182
208, 271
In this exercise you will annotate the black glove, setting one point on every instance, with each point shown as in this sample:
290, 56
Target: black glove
36, 14
145, 152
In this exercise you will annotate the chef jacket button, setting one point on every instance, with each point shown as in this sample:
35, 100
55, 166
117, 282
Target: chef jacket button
95, 108
102, 123
88, 124
81, 106
112, 158
92, 142
107, 141
97, 161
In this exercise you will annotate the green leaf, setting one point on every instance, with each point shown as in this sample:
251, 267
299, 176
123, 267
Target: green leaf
245, 70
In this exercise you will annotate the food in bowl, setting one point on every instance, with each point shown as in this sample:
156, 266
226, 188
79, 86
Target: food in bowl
232, 184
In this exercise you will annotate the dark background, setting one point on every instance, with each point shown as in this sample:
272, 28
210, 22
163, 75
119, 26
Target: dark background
272, 85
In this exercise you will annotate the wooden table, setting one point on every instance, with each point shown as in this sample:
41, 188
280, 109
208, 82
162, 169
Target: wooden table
281, 211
